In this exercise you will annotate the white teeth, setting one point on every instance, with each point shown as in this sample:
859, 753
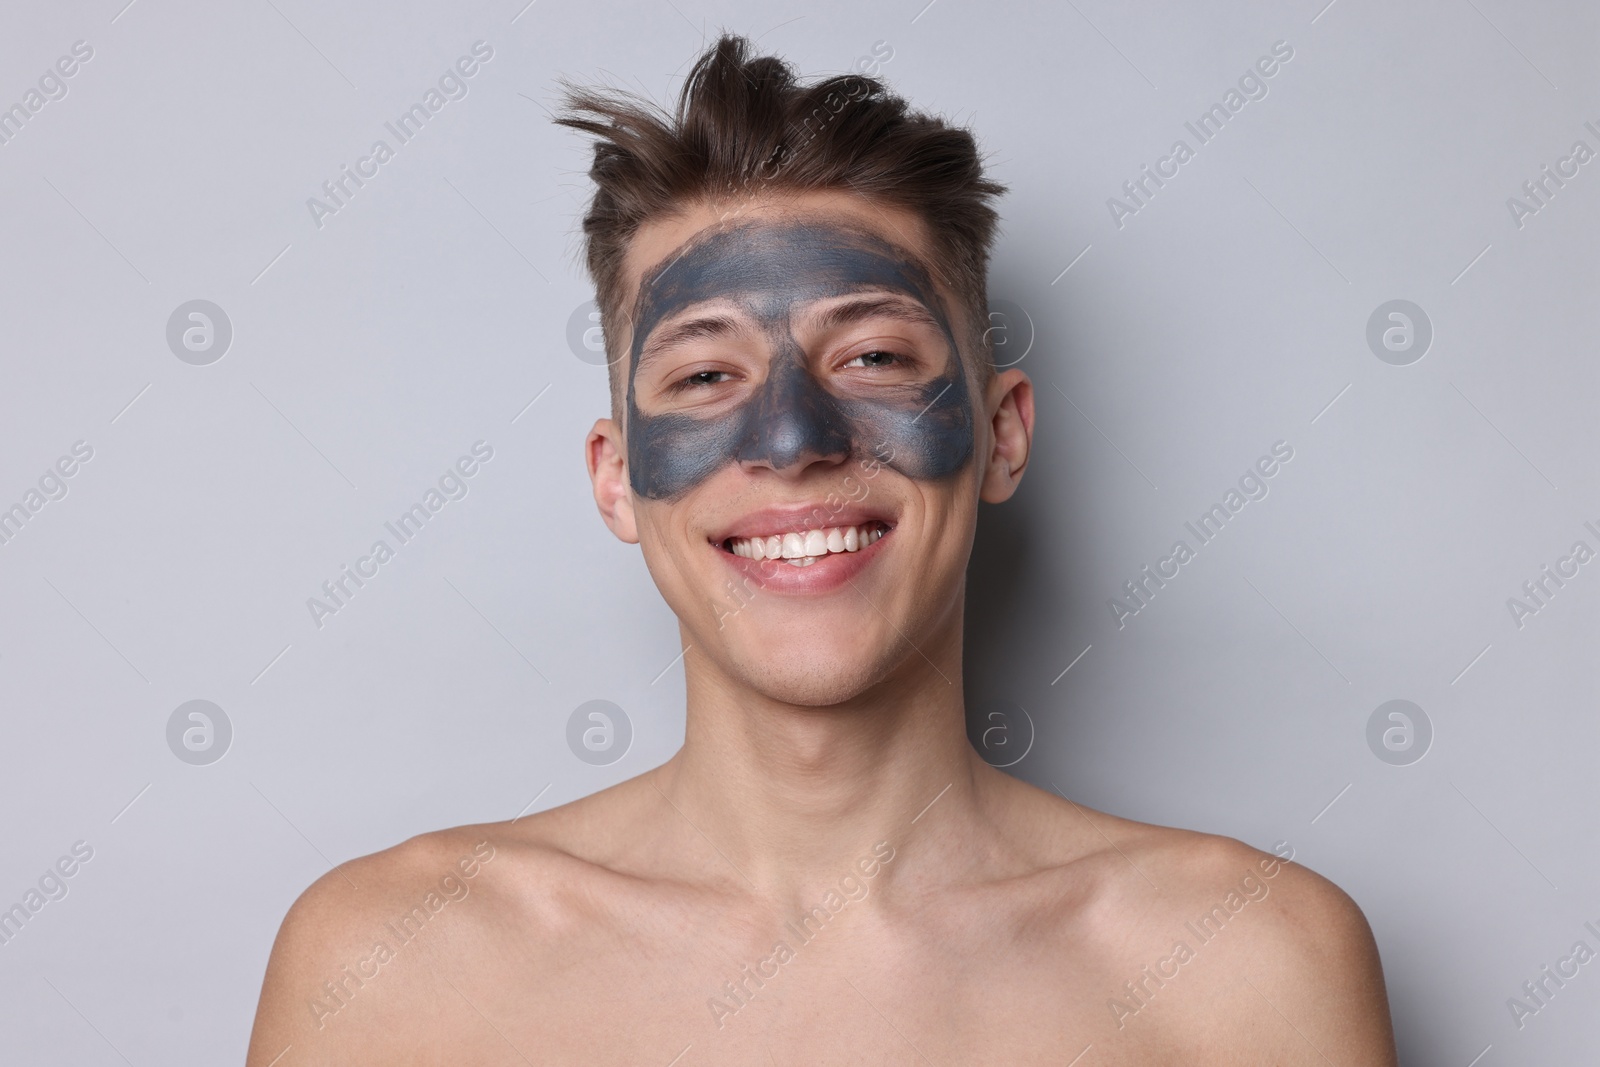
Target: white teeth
804, 547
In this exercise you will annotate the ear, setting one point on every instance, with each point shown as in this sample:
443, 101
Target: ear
1011, 431
608, 472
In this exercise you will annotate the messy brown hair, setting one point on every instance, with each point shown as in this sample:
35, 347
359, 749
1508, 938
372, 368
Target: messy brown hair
745, 124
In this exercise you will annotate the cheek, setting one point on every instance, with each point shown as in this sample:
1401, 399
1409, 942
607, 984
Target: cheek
670, 454
929, 440
930, 437
675, 559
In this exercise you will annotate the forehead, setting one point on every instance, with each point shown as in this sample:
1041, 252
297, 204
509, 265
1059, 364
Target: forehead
771, 237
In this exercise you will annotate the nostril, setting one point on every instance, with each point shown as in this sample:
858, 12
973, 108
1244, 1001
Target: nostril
789, 430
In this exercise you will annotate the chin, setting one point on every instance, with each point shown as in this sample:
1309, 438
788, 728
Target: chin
818, 677
811, 690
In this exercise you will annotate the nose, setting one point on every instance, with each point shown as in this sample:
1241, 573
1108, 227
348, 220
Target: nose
793, 422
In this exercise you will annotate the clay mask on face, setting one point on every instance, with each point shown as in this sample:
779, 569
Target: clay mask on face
772, 270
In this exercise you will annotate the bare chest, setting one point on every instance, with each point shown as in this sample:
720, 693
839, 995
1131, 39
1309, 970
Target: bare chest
711, 992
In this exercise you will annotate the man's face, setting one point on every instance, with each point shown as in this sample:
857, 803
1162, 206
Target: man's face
800, 437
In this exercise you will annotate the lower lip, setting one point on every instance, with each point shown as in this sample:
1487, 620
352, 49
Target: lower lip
827, 574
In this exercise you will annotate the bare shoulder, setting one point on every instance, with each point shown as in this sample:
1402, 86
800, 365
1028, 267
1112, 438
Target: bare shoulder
1198, 948
1237, 950
392, 956
1297, 916
362, 967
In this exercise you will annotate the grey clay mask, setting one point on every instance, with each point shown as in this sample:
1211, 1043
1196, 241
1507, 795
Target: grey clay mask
769, 269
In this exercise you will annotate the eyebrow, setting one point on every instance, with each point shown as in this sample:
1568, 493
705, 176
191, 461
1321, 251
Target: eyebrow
679, 334
902, 308
715, 326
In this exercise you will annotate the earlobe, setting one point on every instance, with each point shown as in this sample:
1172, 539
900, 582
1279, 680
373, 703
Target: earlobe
605, 456
1011, 432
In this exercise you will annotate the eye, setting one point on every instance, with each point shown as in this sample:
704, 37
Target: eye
699, 380
876, 358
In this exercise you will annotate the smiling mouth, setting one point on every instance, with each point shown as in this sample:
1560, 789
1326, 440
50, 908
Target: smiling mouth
802, 548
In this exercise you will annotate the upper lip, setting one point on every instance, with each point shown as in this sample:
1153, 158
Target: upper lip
792, 518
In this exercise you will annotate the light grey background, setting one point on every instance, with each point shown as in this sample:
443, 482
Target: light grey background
369, 353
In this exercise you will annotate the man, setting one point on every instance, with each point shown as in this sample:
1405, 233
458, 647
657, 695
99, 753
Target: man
804, 420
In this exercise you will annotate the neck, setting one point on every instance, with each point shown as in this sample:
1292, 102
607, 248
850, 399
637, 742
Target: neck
792, 796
